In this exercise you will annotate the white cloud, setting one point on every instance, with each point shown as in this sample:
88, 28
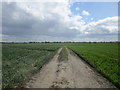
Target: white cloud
50, 21
77, 8
91, 19
105, 26
86, 13
36, 19
34, 1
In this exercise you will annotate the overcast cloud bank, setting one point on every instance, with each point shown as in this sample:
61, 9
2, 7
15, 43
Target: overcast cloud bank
53, 21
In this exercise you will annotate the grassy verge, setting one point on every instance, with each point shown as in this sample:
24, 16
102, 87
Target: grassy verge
63, 55
19, 61
102, 56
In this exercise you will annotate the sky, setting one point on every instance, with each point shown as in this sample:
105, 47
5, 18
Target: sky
59, 21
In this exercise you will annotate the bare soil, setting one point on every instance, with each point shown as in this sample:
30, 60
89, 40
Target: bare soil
74, 73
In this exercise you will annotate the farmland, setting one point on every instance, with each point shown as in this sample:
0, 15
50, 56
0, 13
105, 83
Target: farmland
21, 60
102, 56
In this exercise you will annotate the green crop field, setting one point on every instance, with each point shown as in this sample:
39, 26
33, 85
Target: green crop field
102, 56
22, 60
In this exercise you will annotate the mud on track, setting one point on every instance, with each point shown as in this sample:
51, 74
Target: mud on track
73, 73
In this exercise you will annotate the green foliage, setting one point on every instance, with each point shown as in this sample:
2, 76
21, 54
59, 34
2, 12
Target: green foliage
102, 56
21, 60
63, 54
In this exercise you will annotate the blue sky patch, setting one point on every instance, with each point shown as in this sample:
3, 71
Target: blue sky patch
97, 10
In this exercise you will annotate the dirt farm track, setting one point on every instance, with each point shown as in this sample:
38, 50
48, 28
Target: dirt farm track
73, 73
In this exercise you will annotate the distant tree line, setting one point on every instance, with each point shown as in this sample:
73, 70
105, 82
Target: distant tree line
63, 42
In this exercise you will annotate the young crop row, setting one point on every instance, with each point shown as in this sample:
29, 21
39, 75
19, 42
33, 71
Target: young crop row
102, 56
19, 61
63, 54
